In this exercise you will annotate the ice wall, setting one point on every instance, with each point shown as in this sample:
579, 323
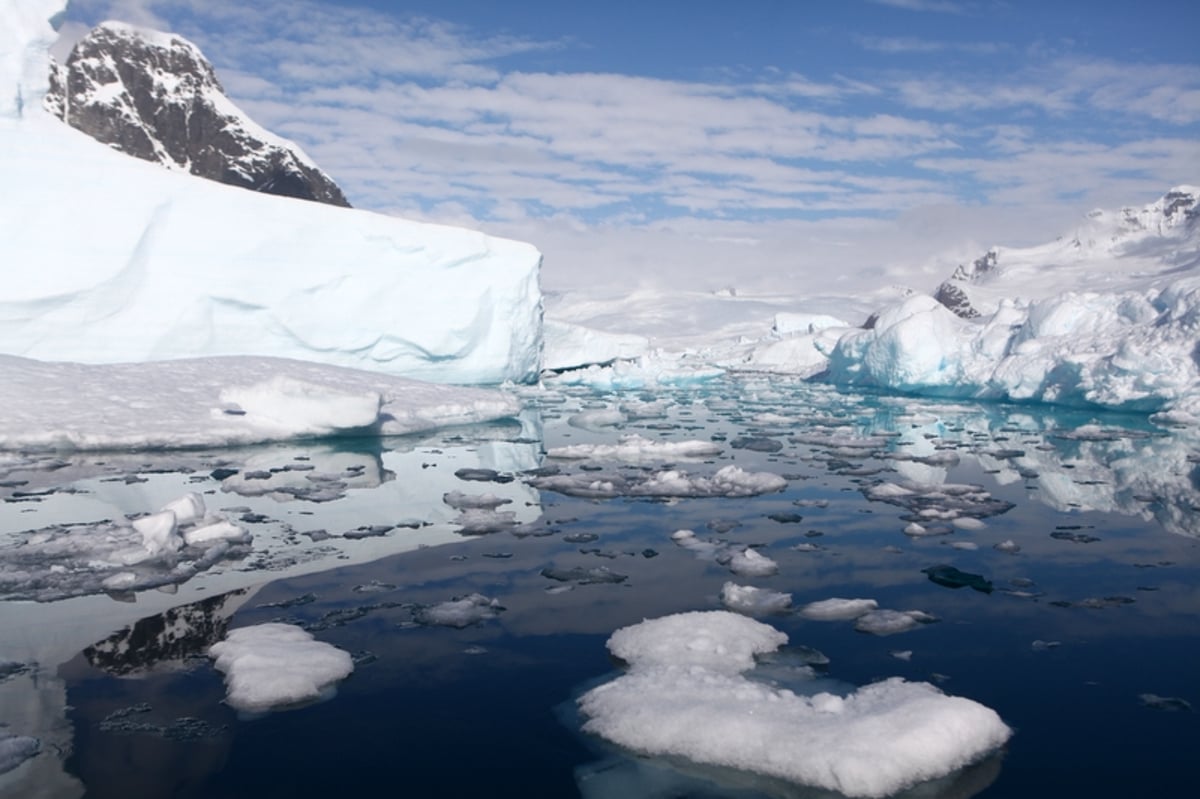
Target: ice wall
109, 259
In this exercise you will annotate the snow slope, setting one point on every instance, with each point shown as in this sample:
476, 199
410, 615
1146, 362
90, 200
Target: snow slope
1106, 317
120, 260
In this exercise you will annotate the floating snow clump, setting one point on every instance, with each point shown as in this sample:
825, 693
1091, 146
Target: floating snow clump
685, 695
270, 665
749, 563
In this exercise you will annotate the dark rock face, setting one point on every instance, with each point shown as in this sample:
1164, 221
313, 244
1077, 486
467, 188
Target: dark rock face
951, 292
154, 96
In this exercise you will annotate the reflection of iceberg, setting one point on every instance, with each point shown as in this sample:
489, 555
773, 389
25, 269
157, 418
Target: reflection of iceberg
410, 504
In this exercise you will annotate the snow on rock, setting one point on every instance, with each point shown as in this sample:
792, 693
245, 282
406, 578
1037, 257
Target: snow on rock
1107, 318
155, 96
685, 694
122, 260
220, 401
272, 665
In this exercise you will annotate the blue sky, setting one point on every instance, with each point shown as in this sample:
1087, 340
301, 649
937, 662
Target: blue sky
760, 142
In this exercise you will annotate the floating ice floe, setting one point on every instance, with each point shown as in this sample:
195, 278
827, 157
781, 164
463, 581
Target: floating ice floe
460, 612
636, 449
687, 694
729, 481
164, 548
749, 562
220, 401
751, 600
273, 665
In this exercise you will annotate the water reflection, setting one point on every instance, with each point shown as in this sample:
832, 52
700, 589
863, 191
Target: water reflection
347, 541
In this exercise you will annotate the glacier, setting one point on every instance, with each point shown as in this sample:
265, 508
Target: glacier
121, 260
1106, 317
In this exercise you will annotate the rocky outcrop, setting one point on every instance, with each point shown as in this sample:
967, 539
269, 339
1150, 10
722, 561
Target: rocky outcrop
155, 96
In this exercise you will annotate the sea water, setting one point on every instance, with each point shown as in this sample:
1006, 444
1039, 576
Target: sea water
1053, 554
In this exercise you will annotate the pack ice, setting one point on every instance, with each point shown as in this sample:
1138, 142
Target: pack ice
122, 260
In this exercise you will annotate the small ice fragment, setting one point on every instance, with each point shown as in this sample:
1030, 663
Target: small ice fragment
218, 531
890, 622
1171, 703
187, 508
902, 654
748, 563
1041, 646
460, 611
748, 599
837, 609
1008, 546
158, 532
968, 523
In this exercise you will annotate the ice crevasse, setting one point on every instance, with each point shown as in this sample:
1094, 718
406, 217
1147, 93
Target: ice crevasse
121, 260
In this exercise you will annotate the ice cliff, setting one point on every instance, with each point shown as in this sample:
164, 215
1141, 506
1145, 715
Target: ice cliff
113, 259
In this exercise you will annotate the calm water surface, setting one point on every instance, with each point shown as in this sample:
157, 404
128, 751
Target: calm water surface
1081, 630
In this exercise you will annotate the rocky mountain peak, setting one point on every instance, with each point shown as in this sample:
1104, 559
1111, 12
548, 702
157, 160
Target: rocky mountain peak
155, 96
1161, 236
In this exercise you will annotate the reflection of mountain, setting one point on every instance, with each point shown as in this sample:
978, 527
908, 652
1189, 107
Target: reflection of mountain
167, 639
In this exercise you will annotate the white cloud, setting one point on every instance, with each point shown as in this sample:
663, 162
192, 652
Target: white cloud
774, 172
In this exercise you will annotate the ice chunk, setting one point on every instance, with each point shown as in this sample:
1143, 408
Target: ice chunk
729, 481
460, 611
634, 448
838, 609
749, 563
158, 534
890, 622
685, 695
272, 665
748, 599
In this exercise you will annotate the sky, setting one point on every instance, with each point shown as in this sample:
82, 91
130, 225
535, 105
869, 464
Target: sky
765, 146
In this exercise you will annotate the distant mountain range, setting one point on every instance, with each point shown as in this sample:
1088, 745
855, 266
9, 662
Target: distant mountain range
155, 96
1109, 251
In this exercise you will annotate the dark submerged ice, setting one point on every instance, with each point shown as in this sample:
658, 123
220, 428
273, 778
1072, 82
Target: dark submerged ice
1103, 559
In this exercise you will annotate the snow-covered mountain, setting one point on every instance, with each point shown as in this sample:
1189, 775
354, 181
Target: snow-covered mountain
155, 96
111, 259
1109, 251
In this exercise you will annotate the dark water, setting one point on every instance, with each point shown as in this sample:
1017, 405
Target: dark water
1086, 640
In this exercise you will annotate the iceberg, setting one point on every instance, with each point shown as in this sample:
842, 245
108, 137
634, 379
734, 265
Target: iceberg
155, 264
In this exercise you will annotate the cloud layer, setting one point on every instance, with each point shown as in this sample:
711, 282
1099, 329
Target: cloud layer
783, 168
